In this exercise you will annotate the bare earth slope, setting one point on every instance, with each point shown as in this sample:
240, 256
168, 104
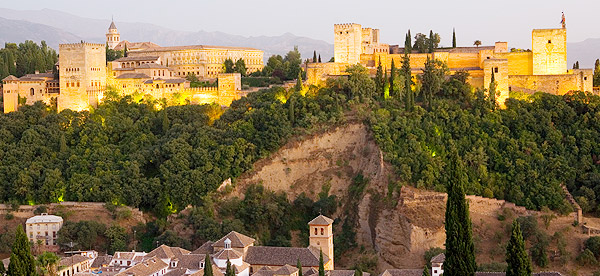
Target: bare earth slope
399, 227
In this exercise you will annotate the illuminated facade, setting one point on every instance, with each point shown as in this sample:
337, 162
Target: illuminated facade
203, 61
544, 68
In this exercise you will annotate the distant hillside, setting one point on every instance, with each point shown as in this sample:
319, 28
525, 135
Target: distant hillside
586, 52
18, 31
93, 30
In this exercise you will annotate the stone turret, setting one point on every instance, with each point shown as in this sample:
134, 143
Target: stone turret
113, 37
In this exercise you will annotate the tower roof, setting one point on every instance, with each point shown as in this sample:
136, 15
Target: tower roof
321, 220
112, 26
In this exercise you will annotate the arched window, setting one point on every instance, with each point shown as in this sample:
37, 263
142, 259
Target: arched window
322, 232
32, 91
315, 230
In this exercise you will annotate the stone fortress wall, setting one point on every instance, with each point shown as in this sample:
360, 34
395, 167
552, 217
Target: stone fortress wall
544, 68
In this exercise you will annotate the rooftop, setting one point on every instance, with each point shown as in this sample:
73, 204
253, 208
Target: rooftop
145, 268
194, 47
279, 256
133, 76
321, 220
44, 218
137, 58
237, 240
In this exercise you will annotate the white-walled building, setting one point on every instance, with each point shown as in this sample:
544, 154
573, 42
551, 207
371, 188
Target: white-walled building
43, 227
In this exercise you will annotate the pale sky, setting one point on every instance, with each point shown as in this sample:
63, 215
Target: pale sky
488, 21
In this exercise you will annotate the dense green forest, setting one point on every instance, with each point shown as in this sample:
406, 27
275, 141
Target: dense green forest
132, 153
521, 154
26, 58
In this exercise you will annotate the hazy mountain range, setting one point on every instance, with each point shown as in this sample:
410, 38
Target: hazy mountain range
57, 27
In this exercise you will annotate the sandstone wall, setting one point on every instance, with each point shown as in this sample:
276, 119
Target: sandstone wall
554, 84
549, 48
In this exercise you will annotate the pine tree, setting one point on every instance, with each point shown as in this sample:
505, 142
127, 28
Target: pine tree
358, 272
453, 38
379, 79
319, 58
516, 255
392, 76
22, 262
208, 269
299, 266
460, 250
321, 265
229, 270
492, 91
314, 56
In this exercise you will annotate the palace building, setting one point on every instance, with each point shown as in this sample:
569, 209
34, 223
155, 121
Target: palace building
543, 68
82, 74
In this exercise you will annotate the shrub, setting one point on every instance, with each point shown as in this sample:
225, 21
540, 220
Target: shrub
40, 210
529, 226
593, 244
586, 258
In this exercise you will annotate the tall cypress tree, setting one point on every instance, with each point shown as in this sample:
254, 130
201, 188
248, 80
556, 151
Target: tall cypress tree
597, 73
379, 78
229, 270
392, 76
321, 265
386, 85
314, 56
125, 51
408, 93
319, 58
409, 42
453, 38
492, 91
22, 262
299, 266
425, 271
516, 255
358, 272
460, 250
208, 269
430, 44
298, 86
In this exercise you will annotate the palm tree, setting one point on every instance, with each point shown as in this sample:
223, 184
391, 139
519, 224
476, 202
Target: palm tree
477, 43
47, 263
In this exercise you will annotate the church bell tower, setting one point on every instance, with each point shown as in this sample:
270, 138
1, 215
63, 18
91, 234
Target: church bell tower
321, 237
112, 37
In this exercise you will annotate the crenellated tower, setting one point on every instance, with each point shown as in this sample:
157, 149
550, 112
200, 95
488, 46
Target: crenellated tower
112, 37
348, 43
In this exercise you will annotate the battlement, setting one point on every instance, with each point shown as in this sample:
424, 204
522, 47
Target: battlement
202, 89
346, 26
79, 45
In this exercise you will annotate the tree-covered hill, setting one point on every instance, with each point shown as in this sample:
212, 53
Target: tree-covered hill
132, 153
137, 153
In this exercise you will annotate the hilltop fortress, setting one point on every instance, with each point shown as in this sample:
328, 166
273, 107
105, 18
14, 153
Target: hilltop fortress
82, 74
543, 68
